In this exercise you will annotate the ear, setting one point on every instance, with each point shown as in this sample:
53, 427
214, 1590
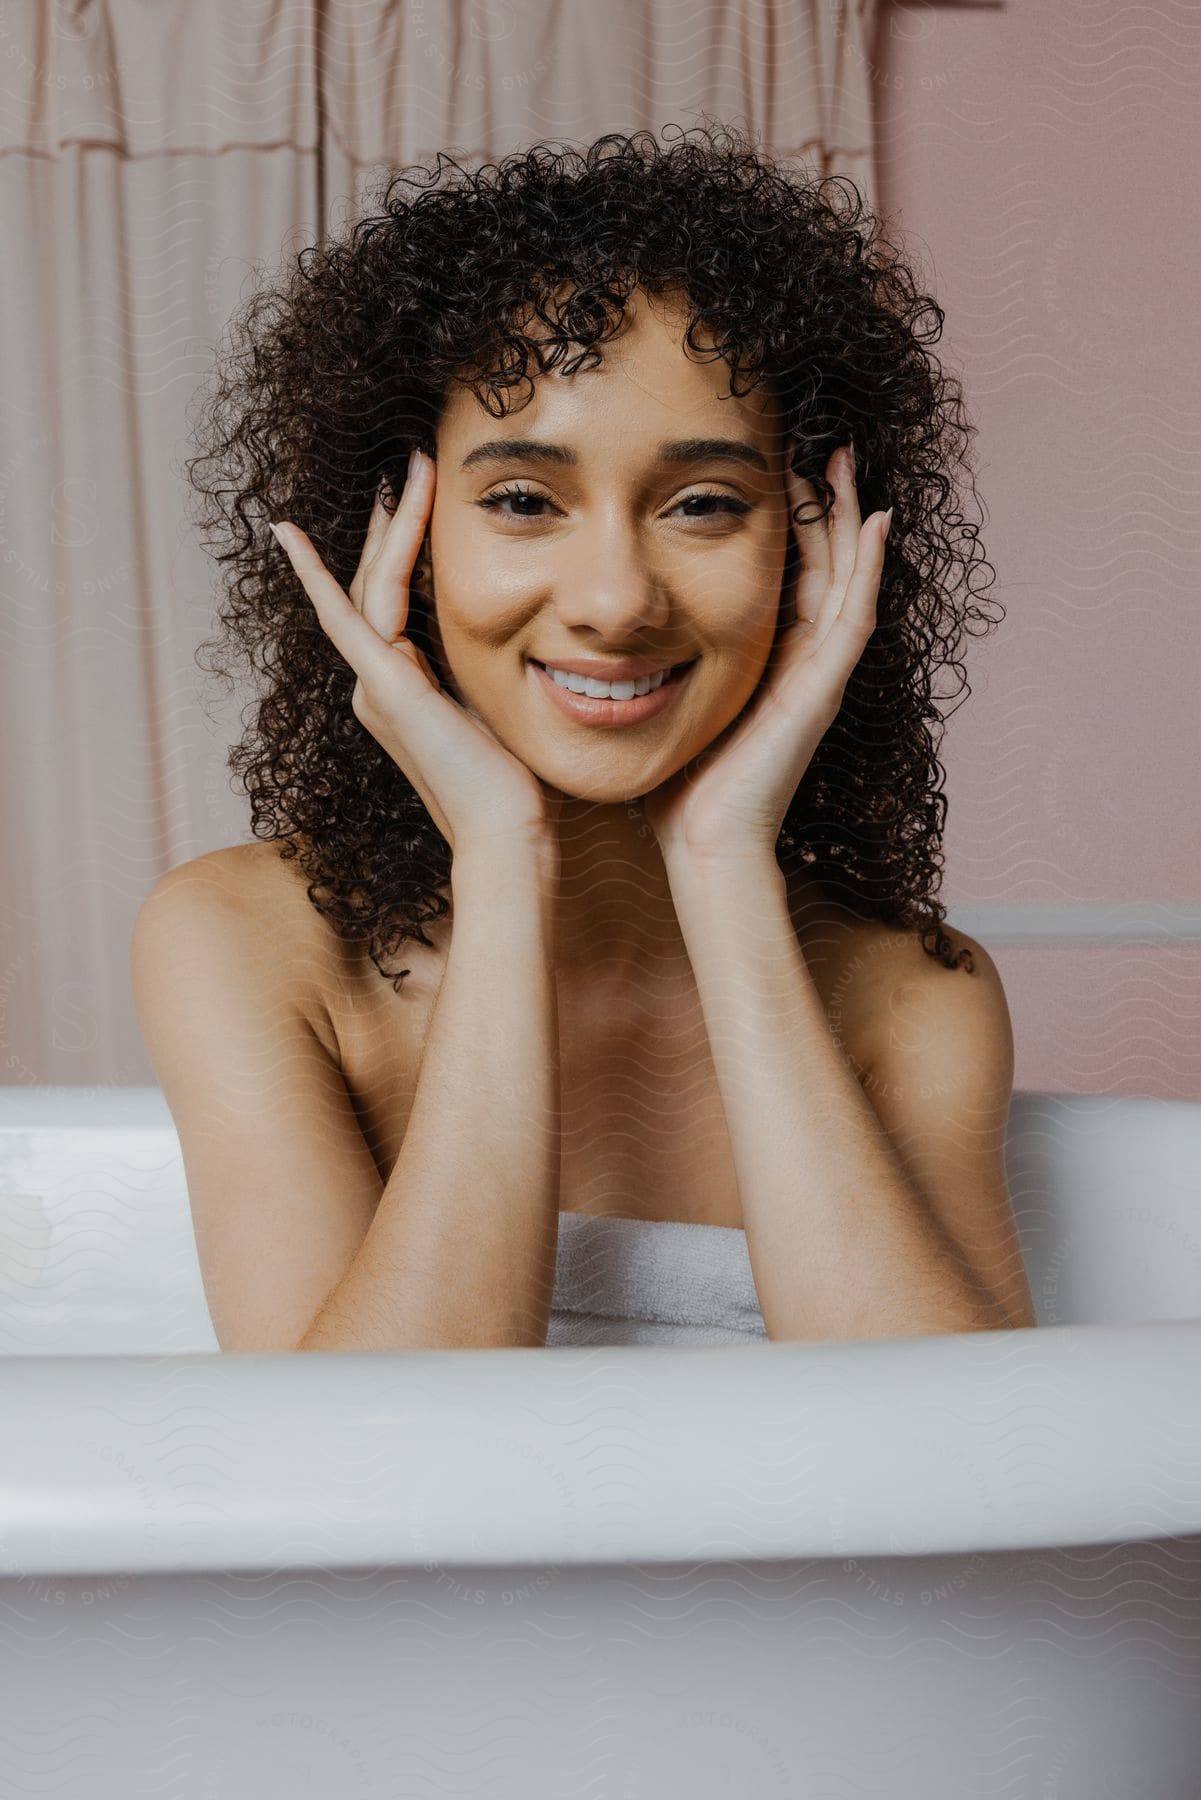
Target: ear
788, 594
791, 582
431, 631
422, 598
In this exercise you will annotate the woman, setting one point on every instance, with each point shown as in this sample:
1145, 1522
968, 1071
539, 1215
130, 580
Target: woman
633, 414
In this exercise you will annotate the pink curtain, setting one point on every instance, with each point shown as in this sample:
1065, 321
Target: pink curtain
155, 154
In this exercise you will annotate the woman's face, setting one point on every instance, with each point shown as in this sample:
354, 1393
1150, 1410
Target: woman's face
603, 543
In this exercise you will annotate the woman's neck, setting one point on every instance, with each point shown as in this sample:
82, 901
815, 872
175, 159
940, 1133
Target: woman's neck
614, 913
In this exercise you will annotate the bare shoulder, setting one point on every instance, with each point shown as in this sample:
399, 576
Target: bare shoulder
872, 975
911, 997
249, 879
254, 892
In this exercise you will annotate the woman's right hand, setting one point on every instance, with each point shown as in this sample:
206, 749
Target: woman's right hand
475, 790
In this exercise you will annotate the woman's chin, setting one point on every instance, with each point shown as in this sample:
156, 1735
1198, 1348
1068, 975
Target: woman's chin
593, 787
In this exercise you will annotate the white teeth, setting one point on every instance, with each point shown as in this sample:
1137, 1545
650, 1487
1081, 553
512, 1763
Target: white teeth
607, 690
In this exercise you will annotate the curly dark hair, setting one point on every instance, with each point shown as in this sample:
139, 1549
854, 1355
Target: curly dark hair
334, 375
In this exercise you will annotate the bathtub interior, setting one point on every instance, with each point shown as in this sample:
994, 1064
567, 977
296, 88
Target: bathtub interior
97, 1252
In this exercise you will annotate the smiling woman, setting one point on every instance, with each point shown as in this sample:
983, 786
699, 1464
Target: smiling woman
651, 538
445, 309
590, 677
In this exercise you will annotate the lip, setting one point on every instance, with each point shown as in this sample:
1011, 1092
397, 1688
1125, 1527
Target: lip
629, 670
612, 712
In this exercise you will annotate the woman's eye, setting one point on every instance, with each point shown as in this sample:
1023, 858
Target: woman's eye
727, 501
496, 502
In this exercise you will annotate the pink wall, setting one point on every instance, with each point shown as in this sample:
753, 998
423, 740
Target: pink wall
1043, 159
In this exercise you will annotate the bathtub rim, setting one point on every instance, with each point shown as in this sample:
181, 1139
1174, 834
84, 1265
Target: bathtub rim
999, 1440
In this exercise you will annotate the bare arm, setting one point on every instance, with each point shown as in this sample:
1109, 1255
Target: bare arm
301, 1246
461, 1252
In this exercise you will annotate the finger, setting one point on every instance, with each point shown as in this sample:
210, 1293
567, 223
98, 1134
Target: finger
349, 630
387, 579
386, 574
823, 602
816, 589
794, 496
845, 518
373, 542
811, 533
377, 527
855, 620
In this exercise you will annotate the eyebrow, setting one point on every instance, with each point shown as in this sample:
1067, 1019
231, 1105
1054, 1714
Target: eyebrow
671, 455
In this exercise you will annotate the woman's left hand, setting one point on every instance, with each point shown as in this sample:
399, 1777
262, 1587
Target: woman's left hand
731, 800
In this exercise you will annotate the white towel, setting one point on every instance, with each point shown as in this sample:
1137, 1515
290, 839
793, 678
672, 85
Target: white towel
643, 1281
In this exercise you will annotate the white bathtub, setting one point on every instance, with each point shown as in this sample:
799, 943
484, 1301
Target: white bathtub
926, 1569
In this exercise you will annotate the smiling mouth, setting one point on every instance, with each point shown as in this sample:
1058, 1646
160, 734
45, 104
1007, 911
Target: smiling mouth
604, 710
673, 674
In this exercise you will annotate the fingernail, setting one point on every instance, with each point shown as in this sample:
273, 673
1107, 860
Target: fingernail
887, 521
271, 528
412, 462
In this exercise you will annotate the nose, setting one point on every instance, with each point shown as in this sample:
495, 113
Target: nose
610, 585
